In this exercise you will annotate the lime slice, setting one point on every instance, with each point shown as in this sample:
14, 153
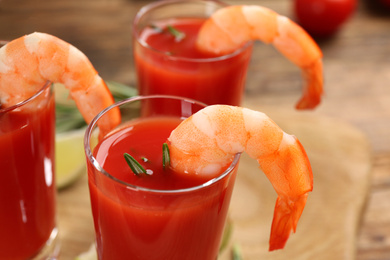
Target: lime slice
70, 158
89, 255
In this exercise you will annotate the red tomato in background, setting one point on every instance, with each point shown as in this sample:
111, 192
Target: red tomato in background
382, 6
385, 3
322, 18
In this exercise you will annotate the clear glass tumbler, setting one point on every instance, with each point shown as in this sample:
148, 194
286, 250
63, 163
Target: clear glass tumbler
137, 222
169, 66
27, 186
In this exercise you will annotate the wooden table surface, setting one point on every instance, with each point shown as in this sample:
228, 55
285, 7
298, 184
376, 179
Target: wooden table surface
356, 64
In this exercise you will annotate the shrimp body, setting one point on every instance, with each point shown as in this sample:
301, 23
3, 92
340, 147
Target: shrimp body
231, 27
28, 62
206, 142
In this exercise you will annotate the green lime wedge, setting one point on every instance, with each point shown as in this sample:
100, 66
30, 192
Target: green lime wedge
70, 158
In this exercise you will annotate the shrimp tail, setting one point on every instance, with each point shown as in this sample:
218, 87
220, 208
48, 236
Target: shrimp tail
313, 88
285, 220
203, 145
290, 173
231, 27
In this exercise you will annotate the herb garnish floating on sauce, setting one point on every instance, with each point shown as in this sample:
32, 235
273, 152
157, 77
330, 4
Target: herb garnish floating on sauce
156, 28
135, 166
179, 35
166, 156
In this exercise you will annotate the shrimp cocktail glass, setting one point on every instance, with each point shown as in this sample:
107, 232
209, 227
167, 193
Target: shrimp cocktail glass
160, 183
168, 61
27, 187
28, 67
142, 209
201, 49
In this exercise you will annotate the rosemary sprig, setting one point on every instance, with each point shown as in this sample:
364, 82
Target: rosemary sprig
68, 116
156, 28
166, 156
135, 166
120, 91
179, 35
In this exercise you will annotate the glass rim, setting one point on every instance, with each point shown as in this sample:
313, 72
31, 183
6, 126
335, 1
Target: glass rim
46, 85
101, 170
145, 9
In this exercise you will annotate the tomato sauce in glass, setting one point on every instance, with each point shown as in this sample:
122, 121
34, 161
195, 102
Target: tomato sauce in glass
166, 65
27, 186
153, 225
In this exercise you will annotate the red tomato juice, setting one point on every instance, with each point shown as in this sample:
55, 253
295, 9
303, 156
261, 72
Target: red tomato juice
27, 186
147, 225
172, 67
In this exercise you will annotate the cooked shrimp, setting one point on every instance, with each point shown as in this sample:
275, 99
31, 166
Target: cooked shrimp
28, 62
231, 27
205, 143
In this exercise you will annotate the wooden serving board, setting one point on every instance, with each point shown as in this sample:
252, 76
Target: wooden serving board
340, 158
341, 162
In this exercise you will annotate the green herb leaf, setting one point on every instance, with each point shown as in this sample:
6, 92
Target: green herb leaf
156, 28
179, 35
120, 91
68, 116
144, 159
135, 166
166, 156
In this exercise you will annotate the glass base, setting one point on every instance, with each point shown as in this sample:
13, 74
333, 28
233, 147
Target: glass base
51, 249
